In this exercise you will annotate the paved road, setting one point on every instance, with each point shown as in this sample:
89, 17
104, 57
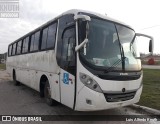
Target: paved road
21, 100
151, 66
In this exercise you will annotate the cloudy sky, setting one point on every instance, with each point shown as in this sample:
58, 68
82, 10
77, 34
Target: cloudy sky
142, 15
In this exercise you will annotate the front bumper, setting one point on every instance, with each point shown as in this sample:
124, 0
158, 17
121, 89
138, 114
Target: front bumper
98, 100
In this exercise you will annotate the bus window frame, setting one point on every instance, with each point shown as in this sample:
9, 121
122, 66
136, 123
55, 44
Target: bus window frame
47, 26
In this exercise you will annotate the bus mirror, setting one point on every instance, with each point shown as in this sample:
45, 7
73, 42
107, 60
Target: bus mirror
151, 43
83, 17
150, 46
87, 29
77, 48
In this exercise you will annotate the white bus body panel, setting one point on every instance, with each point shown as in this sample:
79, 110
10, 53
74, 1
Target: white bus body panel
31, 67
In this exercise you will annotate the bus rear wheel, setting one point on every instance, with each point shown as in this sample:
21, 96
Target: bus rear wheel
15, 80
47, 95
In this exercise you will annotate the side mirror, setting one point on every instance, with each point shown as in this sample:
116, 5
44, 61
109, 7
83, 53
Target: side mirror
81, 45
151, 44
87, 19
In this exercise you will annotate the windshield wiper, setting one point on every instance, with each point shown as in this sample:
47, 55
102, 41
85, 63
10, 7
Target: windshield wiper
115, 64
123, 58
131, 45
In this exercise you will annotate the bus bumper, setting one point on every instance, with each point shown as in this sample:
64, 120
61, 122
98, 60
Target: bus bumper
89, 100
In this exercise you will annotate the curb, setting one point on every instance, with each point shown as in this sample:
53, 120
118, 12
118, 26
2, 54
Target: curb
147, 109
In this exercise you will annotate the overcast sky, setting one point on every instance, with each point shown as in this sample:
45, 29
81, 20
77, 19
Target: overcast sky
142, 15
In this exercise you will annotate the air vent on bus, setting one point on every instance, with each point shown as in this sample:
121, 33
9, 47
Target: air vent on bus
117, 97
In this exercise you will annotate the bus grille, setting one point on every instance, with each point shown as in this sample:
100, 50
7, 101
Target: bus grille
117, 97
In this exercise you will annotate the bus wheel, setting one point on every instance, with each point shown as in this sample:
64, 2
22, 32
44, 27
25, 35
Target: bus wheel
14, 79
47, 95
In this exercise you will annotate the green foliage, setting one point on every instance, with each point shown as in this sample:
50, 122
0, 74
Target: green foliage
151, 89
3, 66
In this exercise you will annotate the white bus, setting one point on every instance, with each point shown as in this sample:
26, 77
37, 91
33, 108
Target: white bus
81, 59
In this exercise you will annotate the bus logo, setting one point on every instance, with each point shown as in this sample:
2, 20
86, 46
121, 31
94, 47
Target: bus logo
123, 74
65, 78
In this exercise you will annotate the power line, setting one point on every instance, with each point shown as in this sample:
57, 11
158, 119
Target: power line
150, 27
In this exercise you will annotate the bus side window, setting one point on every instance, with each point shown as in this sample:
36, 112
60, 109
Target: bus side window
34, 46
68, 52
25, 45
19, 46
36, 40
32, 43
51, 36
44, 39
10, 50
14, 49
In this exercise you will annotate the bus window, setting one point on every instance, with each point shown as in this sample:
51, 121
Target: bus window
44, 39
10, 50
32, 43
51, 36
35, 41
14, 49
25, 45
19, 44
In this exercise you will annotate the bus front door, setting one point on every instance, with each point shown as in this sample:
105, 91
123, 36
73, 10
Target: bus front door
68, 67
67, 82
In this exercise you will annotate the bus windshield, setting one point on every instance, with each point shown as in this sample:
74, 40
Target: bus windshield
108, 44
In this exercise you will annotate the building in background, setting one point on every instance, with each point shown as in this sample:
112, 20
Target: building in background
3, 58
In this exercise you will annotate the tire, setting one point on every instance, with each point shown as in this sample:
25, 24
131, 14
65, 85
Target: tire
16, 83
41, 93
47, 95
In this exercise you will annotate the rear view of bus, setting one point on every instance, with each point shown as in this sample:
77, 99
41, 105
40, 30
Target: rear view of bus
81, 59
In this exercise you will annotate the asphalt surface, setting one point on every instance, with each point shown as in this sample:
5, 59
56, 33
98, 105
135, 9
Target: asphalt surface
22, 100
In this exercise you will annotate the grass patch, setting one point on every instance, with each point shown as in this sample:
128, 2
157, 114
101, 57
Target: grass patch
151, 89
3, 66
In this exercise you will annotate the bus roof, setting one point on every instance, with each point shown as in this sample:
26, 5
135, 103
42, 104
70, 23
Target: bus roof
75, 12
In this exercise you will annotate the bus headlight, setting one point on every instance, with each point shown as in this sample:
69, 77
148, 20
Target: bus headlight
90, 82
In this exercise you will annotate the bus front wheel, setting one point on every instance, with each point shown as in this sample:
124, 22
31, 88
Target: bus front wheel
47, 95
